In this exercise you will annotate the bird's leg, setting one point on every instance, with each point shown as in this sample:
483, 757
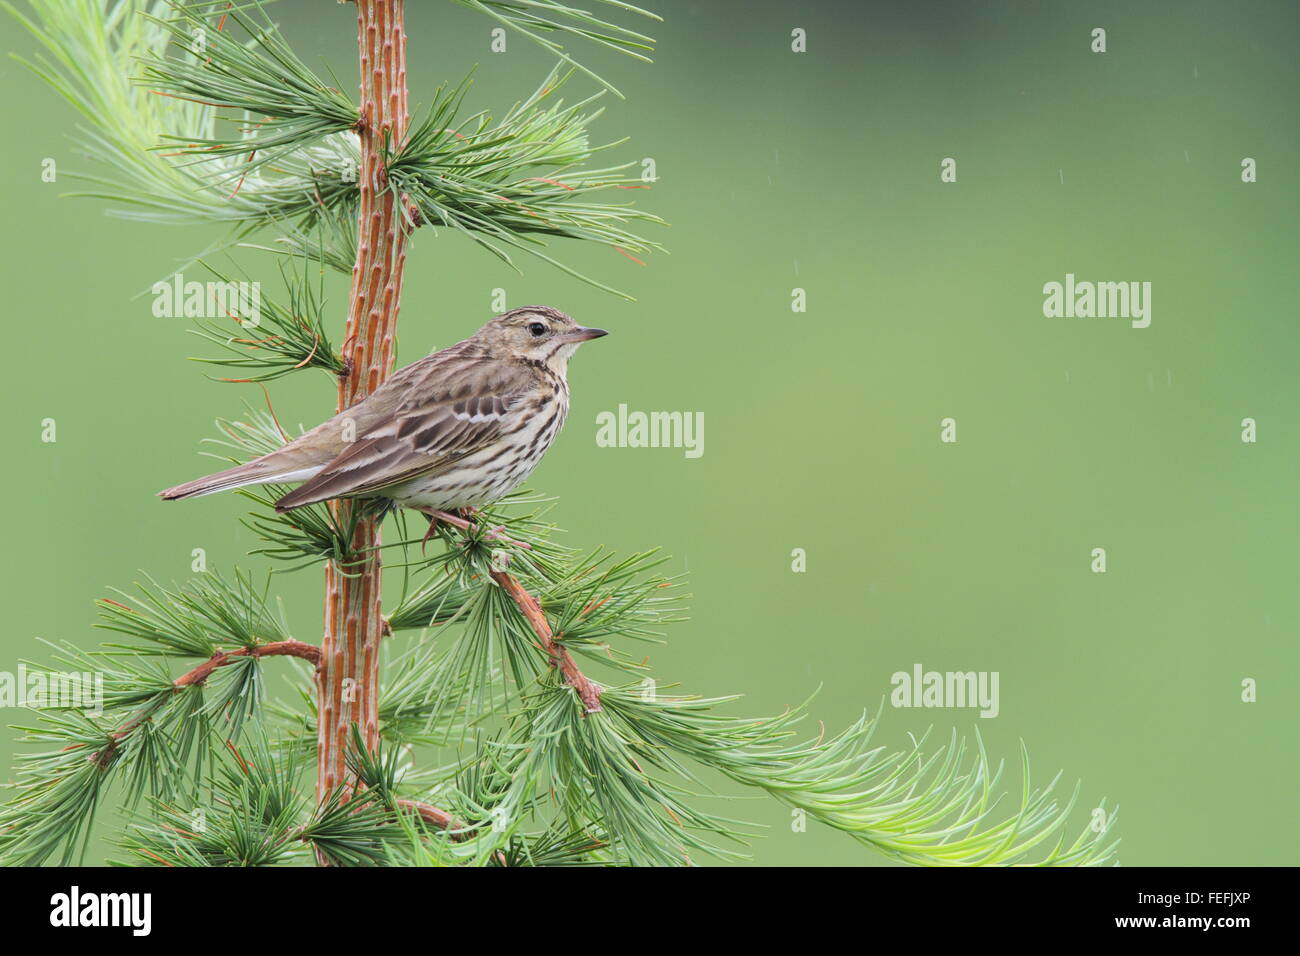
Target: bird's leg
433, 526
455, 520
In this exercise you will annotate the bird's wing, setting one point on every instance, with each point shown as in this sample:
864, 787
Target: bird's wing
449, 411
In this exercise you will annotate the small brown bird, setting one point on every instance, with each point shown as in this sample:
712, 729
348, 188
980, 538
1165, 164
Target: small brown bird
455, 430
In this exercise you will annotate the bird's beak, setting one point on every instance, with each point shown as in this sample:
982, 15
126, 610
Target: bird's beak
584, 335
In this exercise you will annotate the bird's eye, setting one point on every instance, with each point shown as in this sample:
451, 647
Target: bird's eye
536, 328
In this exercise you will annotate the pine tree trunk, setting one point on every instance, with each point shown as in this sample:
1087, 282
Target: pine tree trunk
348, 678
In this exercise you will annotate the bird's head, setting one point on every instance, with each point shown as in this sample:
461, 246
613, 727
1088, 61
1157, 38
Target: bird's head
536, 333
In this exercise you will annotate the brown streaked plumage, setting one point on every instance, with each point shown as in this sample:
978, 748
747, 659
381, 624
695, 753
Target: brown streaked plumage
457, 429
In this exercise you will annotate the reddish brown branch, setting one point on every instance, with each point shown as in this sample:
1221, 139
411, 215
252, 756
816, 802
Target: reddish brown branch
443, 821
588, 690
197, 675
290, 648
435, 816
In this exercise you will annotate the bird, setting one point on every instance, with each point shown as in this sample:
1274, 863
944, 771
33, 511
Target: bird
445, 435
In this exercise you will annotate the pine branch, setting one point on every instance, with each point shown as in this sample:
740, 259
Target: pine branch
377, 774
199, 675
599, 780
257, 75
928, 809
285, 338
504, 184
914, 806
258, 816
352, 832
314, 533
413, 706
92, 59
432, 815
196, 619
153, 725
588, 690
602, 597
917, 807
58, 793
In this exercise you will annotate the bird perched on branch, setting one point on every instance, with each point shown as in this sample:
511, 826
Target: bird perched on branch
453, 431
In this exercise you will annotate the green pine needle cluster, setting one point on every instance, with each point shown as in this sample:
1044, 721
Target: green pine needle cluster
286, 337
507, 183
541, 20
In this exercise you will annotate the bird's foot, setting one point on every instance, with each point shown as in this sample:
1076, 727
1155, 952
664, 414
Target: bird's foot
433, 526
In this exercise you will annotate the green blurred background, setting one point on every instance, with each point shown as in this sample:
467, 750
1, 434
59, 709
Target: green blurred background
819, 170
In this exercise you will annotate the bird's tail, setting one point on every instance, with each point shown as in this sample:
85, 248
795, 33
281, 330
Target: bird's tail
258, 472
